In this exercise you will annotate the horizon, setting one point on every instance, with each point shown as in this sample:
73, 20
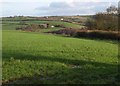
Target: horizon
54, 7
47, 16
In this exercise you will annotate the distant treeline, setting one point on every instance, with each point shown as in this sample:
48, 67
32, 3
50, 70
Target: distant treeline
101, 21
105, 21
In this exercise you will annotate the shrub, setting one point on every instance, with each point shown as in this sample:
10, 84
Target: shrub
66, 31
98, 35
19, 28
32, 27
103, 22
62, 26
90, 23
22, 23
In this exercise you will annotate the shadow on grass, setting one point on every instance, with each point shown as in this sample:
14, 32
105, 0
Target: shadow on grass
77, 71
97, 36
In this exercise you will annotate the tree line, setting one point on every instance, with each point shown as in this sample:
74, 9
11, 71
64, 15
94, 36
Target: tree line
104, 21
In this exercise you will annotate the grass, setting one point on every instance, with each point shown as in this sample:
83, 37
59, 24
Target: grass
30, 58
12, 25
0, 55
66, 24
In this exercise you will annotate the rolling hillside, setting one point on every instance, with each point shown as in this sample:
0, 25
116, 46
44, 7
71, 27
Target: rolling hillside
43, 58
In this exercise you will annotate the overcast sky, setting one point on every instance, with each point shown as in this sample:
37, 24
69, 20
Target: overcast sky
54, 7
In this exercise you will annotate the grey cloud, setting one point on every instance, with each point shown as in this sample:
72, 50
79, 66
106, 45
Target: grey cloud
55, 5
63, 8
59, 5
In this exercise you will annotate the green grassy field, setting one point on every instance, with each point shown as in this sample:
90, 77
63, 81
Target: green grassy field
12, 25
66, 24
30, 58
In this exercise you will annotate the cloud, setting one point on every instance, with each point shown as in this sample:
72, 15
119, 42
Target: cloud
58, 0
73, 8
53, 7
59, 5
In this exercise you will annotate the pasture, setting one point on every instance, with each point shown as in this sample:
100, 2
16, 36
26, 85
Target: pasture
43, 58
11, 25
40, 58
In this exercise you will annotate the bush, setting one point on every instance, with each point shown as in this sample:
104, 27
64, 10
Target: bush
66, 31
91, 34
62, 26
19, 28
98, 35
90, 24
22, 23
103, 22
32, 27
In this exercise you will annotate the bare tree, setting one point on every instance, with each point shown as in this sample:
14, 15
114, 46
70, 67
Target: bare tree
112, 10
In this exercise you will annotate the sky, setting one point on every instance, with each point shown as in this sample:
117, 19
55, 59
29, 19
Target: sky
53, 7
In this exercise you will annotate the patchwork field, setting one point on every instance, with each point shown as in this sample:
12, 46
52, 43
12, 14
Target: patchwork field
40, 58
11, 25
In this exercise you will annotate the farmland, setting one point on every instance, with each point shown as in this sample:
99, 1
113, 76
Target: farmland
40, 58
